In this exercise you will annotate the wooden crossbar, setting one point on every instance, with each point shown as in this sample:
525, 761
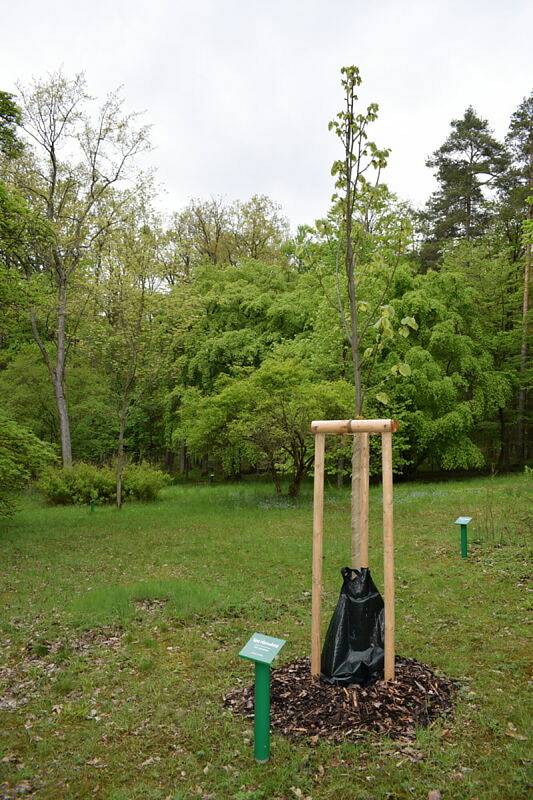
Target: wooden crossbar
354, 426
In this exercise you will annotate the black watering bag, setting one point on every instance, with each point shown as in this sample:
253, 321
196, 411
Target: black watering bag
353, 647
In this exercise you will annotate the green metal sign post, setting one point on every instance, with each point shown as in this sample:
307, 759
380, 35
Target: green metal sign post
463, 522
262, 650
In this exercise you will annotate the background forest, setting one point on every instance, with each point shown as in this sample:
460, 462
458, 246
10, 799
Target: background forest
204, 343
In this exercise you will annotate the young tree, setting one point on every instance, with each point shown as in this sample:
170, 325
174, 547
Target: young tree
69, 177
354, 196
130, 266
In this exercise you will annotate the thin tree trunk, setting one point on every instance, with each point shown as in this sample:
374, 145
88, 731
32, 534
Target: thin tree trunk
352, 296
120, 453
183, 458
521, 437
340, 472
356, 481
57, 370
503, 444
59, 375
169, 459
297, 478
64, 421
356, 362
276, 479
354, 347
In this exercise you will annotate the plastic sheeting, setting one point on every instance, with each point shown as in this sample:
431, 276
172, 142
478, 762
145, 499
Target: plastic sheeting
353, 647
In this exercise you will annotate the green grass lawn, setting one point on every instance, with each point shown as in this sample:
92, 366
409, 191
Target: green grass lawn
119, 634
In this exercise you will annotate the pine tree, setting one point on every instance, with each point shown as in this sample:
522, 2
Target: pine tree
467, 163
517, 206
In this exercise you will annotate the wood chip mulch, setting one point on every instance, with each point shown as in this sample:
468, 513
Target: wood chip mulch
305, 707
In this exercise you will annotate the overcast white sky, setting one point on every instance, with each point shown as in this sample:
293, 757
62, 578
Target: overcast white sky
239, 92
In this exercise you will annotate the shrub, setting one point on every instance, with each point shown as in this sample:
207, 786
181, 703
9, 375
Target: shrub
85, 483
143, 482
78, 485
22, 456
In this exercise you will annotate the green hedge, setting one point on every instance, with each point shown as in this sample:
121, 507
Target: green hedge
85, 483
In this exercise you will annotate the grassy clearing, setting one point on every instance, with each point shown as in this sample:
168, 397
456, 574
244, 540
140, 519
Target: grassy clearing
119, 634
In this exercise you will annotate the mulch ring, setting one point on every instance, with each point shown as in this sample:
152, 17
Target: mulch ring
302, 706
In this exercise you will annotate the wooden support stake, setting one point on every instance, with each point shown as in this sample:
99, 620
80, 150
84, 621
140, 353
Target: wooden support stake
318, 529
364, 477
355, 501
388, 554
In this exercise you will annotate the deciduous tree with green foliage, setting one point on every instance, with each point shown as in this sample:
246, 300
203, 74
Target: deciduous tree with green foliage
126, 299
74, 189
262, 418
22, 456
216, 334
10, 117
